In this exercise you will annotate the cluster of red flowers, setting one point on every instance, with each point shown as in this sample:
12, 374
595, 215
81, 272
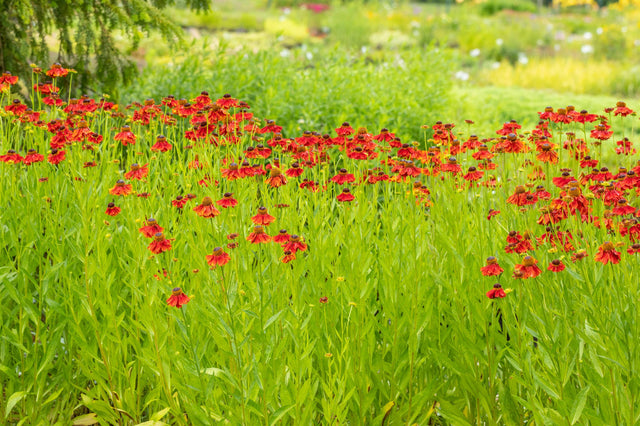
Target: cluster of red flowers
358, 159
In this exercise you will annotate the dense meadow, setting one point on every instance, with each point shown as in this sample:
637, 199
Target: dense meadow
360, 215
184, 261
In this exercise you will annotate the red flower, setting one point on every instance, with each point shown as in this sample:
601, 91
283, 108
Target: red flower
294, 171
161, 144
634, 249
343, 177
33, 157
178, 298
258, 236
151, 228
125, 136
621, 109
622, 208
11, 156
276, 178
579, 255
16, 108
491, 268
227, 201
121, 188
227, 101
206, 208
179, 202
56, 70
282, 237
384, 136
288, 257
271, 127
496, 292
218, 258
473, 175
522, 197
159, 244
56, 156
294, 244
529, 267
601, 132
345, 196
263, 218
7, 78
112, 209
556, 265
607, 253
137, 172
344, 130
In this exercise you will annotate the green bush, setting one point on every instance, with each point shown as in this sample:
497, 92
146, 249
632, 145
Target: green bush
400, 91
491, 7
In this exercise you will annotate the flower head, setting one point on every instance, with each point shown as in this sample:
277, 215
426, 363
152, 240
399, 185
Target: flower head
112, 209
206, 208
496, 292
528, 267
178, 298
263, 217
159, 244
607, 253
218, 258
491, 268
556, 265
258, 236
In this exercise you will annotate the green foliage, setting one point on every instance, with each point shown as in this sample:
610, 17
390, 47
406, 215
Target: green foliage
396, 90
85, 36
491, 7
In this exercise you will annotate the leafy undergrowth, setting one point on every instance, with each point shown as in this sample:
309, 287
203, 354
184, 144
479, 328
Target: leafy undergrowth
183, 262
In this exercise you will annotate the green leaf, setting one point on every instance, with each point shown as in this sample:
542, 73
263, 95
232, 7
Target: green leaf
12, 401
87, 419
271, 320
578, 405
160, 414
279, 413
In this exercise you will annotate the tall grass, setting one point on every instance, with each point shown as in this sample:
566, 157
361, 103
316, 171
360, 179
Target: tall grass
384, 317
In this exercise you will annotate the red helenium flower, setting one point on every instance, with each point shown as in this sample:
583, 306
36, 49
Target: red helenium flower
491, 268
159, 244
496, 292
263, 217
529, 267
218, 258
294, 244
206, 208
178, 298
607, 253
258, 236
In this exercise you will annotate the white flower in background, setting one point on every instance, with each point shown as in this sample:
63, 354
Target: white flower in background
623, 29
285, 53
475, 53
462, 75
499, 42
309, 55
495, 65
363, 49
636, 43
586, 49
587, 35
522, 58
599, 31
